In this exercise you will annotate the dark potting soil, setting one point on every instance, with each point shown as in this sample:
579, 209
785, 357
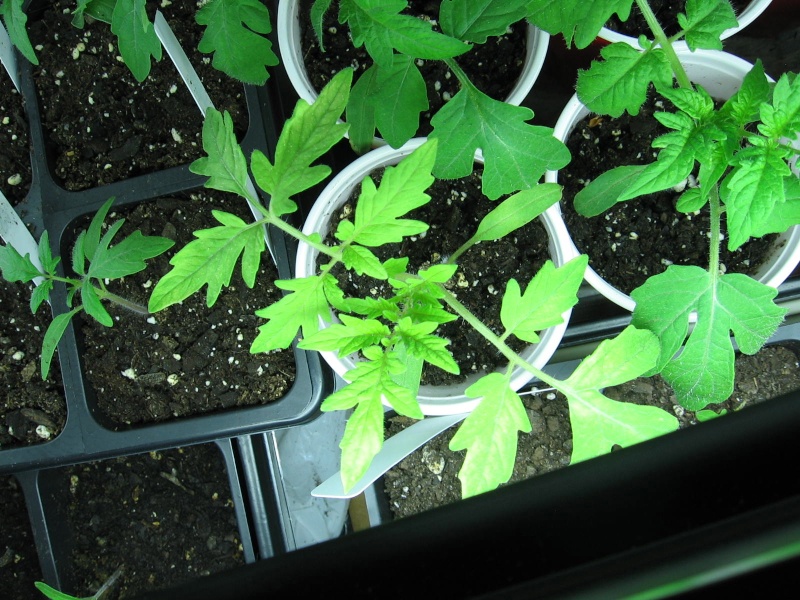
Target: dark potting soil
187, 359
428, 478
493, 67
31, 410
103, 125
666, 11
15, 153
455, 209
164, 517
19, 563
641, 237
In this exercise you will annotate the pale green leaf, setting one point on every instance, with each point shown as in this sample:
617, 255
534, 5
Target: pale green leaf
419, 341
551, 292
210, 260
785, 214
225, 165
136, 36
704, 22
782, 117
477, 20
620, 82
54, 594
301, 309
489, 435
362, 260
605, 191
578, 20
516, 211
516, 154
235, 34
351, 335
362, 440
745, 105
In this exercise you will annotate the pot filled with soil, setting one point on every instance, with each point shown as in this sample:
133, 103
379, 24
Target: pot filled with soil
505, 67
519, 257
666, 11
637, 239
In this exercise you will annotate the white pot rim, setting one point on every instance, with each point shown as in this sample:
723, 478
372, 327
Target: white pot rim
433, 400
726, 67
747, 16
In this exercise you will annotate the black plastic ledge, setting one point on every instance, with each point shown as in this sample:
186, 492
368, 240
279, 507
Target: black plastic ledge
658, 513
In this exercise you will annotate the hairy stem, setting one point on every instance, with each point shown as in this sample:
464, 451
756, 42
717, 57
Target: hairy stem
661, 39
134, 307
716, 233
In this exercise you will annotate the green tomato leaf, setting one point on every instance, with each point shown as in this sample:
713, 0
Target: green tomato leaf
782, 117
16, 267
301, 309
620, 82
784, 214
235, 34
578, 20
40, 293
419, 342
350, 336
318, 10
54, 333
210, 260
489, 435
517, 211
225, 165
551, 292
310, 132
516, 154
745, 105
360, 114
15, 19
476, 20
606, 190
703, 372
92, 305
402, 189
127, 257
704, 22
362, 260
379, 26
362, 440
136, 36
400, 96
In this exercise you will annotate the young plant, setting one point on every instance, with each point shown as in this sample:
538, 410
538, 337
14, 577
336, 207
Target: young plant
54, 594
741, 153
235, 33
94, 261
391, 94
394, 335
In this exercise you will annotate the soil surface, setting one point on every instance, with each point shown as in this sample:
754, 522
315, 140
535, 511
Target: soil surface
641, 237
493, 67
103, 125
666, 11
31, 410
454, 212
188, 358
15, 153
429, 477
164, 517
19, 563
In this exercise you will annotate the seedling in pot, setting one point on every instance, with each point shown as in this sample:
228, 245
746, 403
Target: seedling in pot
742, 156
94, 261
235, 33
391, 94
395, 335
54, 594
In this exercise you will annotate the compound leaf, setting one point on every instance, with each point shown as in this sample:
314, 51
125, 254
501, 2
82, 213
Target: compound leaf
578, 20
705, 21
225, 166
351, 335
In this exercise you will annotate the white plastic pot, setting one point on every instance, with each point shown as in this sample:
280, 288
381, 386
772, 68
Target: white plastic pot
721, 75
292, 55
434, 400
747, 16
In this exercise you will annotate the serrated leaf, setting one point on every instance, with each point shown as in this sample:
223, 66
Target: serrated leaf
516, 154
732, 303
128, 256
362, 260
517, 211
301, 309
318, 10
362, 440
578, 20
40, 293
310, 132
46, 258
52, 336
360, 113
380, 28
782, 117
419, 342
695, 102
91, 239
476, 20
785, 214
402, 189
351, 335
620, 82
605, 191
599, 423
752, 191
552, 291
136, 36
16, 267
745, 105
400, 97
235, 34
704, 22
489, 435
15, 20
225, 165
210, 260
92, 305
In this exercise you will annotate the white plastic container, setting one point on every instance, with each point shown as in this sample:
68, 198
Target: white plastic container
720, 74
434, 400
